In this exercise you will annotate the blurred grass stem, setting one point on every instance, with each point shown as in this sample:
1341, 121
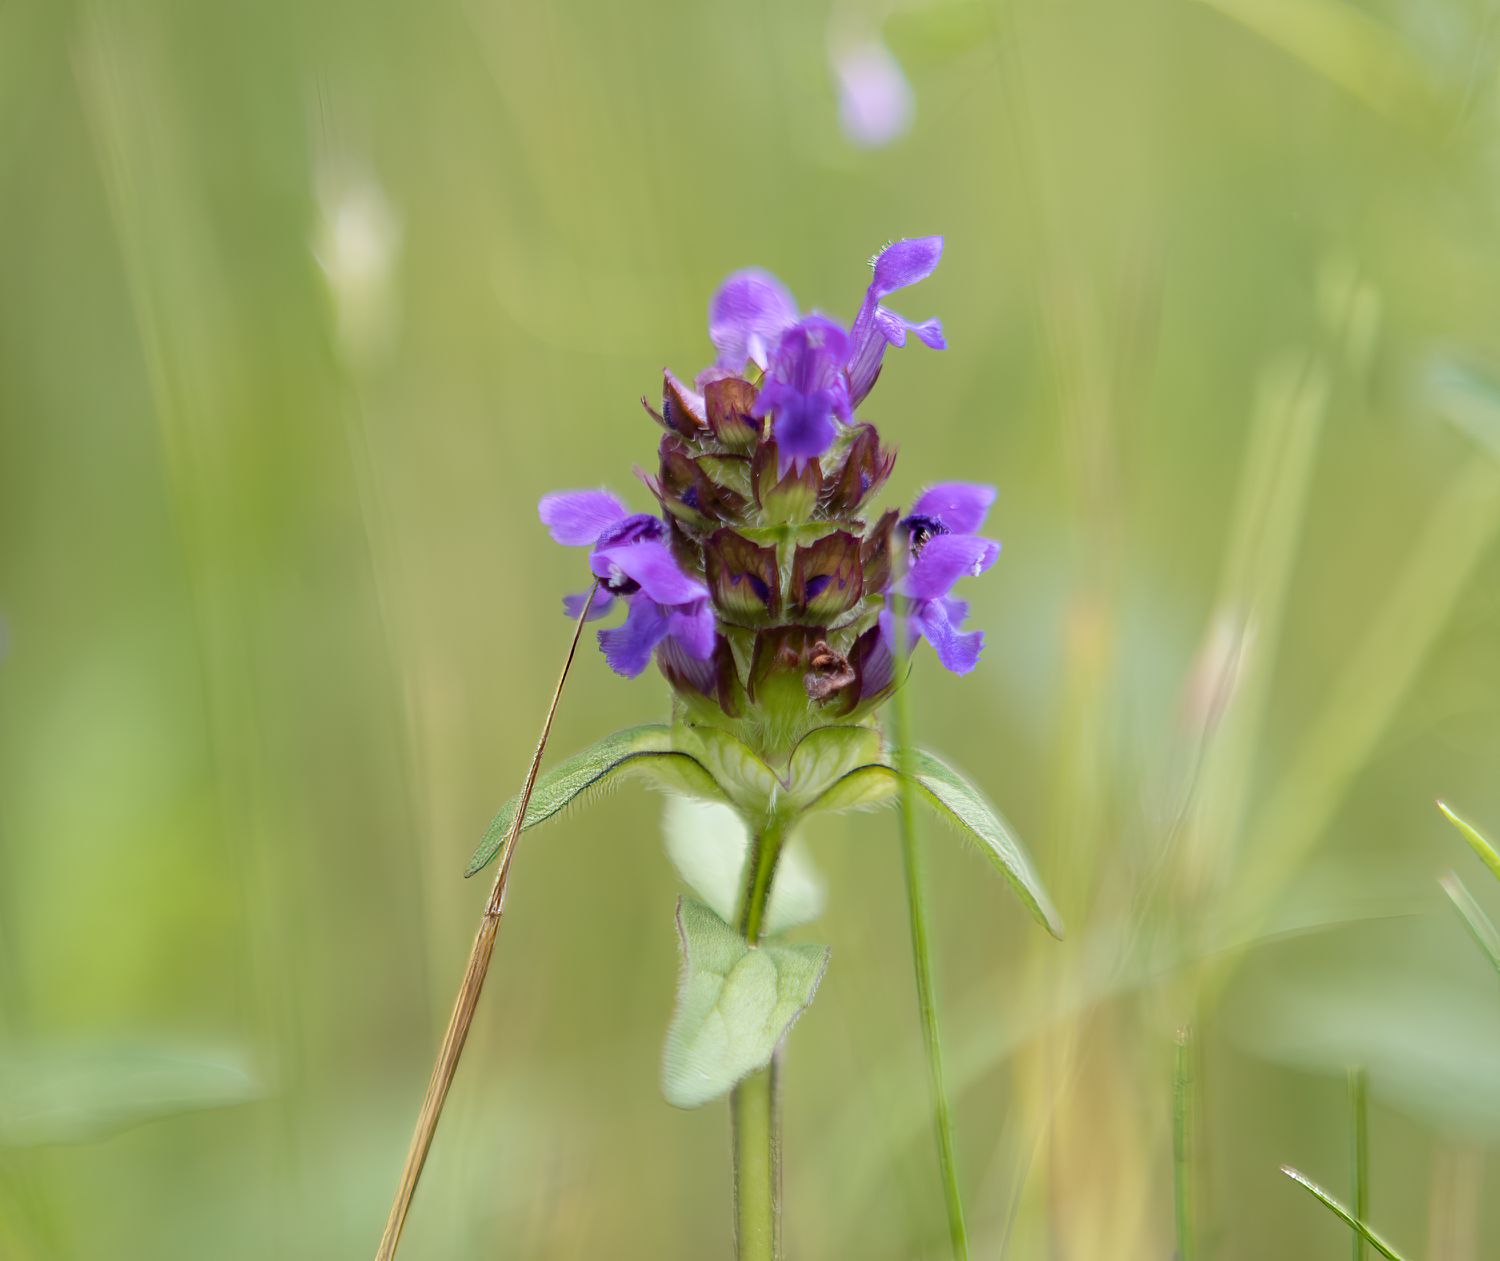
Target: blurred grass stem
1183, 1121
457, 1033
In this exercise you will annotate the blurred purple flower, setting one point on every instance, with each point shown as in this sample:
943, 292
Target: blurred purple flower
632, 563
875, 100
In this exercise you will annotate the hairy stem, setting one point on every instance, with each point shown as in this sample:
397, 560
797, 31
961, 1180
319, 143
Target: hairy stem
464, 1005
753, 1105
921, 951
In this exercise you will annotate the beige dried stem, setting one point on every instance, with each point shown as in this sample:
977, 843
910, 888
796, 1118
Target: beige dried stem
468, 992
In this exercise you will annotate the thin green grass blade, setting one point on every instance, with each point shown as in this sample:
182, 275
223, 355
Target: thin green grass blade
1182, 1147
1359, 1152
1343, 1214
1488, 855
1480, 926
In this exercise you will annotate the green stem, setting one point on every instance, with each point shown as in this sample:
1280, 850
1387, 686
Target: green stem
1182, 1147
921, 950
753, 1105
1359, 1152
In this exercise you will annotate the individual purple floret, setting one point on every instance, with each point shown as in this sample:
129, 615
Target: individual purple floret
944, 548
632, 563
816, 372
805, 389
900, 264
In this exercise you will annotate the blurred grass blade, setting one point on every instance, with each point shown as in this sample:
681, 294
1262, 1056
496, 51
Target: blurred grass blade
1343, 1214
1476, 839
1346, 46
1182, 1147
1466, 397
1480, 926
1359, 1144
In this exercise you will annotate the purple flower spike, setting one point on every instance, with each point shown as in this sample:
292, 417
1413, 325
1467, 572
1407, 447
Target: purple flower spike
806, 389
943, 549
633, 563
746, 317
876, 327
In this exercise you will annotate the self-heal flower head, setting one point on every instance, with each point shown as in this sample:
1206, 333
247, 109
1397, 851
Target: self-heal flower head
943, 548
900, 264
632, 563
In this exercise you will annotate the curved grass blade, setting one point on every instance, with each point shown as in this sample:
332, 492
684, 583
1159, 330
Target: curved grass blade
1359, 1151
1365, 1232
636, 748
1488, 855
1480, 926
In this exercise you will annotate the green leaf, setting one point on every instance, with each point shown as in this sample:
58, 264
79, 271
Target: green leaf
87, 1093
1480, 926
826, 754
1477, 842
1343, 1214
735, 1003
647, 748
707, 842
959, 802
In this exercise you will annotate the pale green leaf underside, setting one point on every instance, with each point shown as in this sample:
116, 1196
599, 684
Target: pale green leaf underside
707, 842
647, 748
957, 801
734, 1004
1343, 1214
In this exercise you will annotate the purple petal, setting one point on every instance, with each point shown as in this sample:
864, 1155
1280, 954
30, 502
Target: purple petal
904, 263
958, 505
653, 566
576, 518
957, 650
930, 333
604, 601
628, 647
944, 560
748, 313
692, 629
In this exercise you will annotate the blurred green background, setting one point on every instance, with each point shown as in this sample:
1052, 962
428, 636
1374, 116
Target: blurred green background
302, 306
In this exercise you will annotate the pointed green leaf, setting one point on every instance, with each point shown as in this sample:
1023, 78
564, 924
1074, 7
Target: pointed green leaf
1477, 842
647, 748
735, 1002
959, 800
707, 843
1343, 1214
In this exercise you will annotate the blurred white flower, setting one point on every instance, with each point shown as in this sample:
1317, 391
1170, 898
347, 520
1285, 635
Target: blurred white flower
356, 243
875, 100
